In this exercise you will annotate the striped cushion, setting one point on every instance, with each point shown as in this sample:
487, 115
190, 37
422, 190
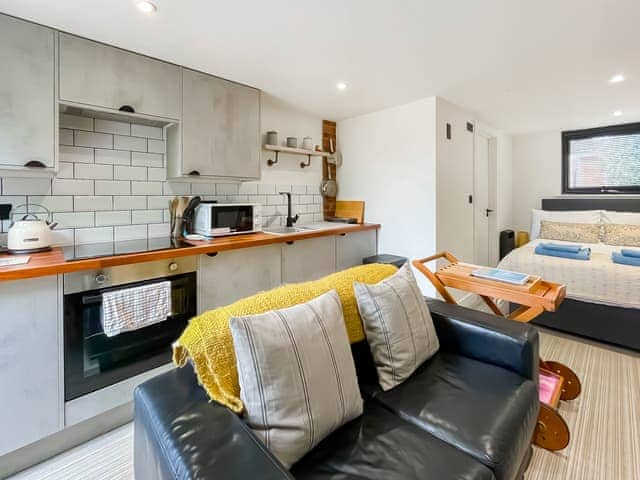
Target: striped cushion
297, 376
398, 326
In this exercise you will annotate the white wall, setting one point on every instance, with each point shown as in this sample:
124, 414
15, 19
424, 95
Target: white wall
389, 162
537, 172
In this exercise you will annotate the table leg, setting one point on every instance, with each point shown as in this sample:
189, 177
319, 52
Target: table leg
525, 313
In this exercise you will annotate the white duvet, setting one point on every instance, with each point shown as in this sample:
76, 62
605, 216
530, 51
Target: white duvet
597, 280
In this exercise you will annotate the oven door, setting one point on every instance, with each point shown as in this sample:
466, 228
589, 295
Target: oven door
93, 361
231, 218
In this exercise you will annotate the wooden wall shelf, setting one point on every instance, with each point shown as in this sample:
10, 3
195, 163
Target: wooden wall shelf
294, 151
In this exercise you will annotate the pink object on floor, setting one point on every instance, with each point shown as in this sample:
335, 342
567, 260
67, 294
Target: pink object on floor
547, 385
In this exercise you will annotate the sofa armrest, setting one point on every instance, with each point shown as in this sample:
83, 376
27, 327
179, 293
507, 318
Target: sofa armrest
490, 339
180, 434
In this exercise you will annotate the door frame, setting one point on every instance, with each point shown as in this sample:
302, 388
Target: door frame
491, 135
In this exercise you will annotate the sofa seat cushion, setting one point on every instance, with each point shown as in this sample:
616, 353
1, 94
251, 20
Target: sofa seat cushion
484, 410
381, 446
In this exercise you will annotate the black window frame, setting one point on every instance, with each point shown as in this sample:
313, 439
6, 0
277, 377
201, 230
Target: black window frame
608, 131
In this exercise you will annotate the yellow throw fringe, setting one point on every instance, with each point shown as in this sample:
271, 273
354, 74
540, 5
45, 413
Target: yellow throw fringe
207, 339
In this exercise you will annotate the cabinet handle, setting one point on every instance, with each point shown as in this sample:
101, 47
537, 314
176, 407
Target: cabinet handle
35, 164
127, 108
290, 242
211, 254
343, 234
194, 173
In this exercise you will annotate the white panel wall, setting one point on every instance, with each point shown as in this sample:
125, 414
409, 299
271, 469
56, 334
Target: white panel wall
389, 162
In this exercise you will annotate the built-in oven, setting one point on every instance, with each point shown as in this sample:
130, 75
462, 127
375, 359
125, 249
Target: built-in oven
93, 360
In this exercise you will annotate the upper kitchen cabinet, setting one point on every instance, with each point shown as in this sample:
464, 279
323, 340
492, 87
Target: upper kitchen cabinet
220, 129
27, 96
98, 75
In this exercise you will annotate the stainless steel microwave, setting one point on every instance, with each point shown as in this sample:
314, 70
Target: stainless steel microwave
219, 219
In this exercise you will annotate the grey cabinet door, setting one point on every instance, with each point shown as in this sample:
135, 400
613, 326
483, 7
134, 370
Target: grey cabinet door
95, 74
351, 248
308, 259
232, 275
27, 93
30, 377
220, 127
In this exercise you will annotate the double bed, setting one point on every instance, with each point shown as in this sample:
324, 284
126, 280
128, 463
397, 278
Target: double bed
603, 298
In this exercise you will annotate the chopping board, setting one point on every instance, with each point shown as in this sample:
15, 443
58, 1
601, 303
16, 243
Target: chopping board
350, 209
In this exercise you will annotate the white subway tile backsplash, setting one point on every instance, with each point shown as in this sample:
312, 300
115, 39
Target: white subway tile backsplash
26, 186
93, 139
130, 232
109, 126
68, 186
176, 188
93, 171
113, 187
147, 159
94, 235
112, 183
76, 154
74, 219
313, 189
65, 137
146, 188
129, 202
121, 172
113, 157
159, 230
133, 144
58, 203
156, 146
227, 189
115, 217
146, 131
75, 122
92, 203
146, 216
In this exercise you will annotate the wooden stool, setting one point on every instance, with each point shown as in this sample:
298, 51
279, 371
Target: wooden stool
557, 381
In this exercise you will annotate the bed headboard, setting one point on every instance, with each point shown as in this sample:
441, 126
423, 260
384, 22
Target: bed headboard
591, 203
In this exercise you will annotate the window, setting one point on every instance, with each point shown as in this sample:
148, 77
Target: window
601, 160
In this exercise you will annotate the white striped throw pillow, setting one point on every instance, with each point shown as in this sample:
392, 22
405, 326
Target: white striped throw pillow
297, 376
398, 326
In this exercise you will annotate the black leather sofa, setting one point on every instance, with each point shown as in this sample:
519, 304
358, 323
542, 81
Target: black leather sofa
467, 413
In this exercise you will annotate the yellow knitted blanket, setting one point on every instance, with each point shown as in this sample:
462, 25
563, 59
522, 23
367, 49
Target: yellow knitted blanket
207, 339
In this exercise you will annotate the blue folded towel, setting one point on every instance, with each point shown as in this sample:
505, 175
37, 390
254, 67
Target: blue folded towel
583, 254
617, 257
561, 248
627, 252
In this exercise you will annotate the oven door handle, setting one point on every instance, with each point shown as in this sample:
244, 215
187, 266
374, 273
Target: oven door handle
91, 299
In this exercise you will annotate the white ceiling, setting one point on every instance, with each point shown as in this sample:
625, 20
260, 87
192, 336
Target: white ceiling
521, 66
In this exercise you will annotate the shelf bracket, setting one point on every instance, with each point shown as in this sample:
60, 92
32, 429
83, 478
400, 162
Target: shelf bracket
271, 162
307, 163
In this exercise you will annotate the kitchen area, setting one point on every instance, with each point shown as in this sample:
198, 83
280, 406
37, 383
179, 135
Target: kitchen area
98, 148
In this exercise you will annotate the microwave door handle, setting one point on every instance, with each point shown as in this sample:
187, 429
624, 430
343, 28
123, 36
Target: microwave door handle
91, 299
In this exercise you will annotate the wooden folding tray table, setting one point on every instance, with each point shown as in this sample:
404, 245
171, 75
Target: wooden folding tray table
557, 381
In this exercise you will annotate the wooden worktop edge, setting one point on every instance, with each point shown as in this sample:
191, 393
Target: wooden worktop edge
53, 263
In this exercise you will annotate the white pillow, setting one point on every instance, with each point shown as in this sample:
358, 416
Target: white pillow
578, 216
398, 326
621, 218
297, 377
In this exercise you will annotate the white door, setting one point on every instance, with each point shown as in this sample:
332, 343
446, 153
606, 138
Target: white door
483, 211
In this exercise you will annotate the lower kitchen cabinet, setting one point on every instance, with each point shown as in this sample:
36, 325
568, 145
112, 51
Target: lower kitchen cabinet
308, 259
30, 373
232, 275
351, 248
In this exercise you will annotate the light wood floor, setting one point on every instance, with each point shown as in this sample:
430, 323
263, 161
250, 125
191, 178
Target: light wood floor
604, 423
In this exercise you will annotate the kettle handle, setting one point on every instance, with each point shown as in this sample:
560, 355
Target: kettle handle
46, 210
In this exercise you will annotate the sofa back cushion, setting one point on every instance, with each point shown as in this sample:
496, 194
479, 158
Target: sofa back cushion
398, 326
207, 342
297, 376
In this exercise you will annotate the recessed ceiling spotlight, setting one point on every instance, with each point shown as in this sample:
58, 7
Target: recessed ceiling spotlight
617, 78
341, 85
145, 6
617, 113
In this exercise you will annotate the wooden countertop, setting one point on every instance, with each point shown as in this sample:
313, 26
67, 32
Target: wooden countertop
53, 262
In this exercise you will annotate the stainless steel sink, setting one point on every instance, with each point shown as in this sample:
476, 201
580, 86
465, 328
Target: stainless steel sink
283, 230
